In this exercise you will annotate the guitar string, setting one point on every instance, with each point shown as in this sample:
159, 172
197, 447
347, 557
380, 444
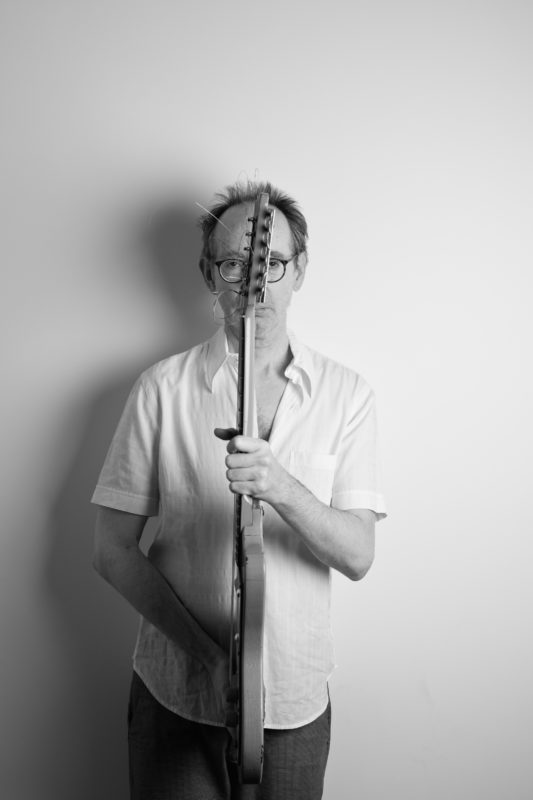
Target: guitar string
211, 215
223, 316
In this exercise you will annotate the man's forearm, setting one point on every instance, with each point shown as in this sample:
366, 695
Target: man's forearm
341, 539
129, 571
119, 560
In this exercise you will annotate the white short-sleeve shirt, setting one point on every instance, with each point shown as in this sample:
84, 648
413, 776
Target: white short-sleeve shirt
165, 461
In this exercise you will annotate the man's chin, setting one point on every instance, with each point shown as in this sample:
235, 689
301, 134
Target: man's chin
266, 324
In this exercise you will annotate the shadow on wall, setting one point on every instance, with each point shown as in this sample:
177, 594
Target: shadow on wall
95, 627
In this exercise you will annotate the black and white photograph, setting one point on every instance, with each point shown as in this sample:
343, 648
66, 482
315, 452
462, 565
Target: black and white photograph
268, 273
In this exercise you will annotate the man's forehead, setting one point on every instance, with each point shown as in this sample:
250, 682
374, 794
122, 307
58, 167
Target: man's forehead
234, 220
230, 231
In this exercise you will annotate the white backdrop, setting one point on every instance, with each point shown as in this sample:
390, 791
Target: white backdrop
404, 129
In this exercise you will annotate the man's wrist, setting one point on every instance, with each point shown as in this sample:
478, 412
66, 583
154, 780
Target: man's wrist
285, 489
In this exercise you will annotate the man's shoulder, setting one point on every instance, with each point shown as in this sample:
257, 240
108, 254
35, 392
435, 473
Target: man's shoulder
328, 373
170, 371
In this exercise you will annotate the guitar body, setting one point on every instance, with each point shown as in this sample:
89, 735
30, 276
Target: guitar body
251, 693
246, 656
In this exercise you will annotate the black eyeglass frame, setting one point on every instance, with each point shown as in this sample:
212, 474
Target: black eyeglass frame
283, 261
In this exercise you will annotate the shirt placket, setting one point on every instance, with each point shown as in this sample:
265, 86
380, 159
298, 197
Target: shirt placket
291, 404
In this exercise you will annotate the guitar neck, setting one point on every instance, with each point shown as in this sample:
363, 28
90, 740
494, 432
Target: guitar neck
246, 400
246, 660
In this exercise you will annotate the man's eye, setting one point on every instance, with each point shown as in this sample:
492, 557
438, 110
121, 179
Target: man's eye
232, 264
275, 263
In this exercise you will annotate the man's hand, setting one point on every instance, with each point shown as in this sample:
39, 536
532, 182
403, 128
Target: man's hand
342, 539
120, 561
252, 469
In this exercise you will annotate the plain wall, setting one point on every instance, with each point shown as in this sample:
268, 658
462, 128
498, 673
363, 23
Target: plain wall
405, 130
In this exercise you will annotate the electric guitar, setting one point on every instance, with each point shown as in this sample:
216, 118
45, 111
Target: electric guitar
246, 696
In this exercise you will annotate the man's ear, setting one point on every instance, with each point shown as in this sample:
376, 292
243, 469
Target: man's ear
300, 265
207, 272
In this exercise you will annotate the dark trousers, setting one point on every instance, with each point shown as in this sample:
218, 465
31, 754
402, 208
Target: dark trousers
172, 758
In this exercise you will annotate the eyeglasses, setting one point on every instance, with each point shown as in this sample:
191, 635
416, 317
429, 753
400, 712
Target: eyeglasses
232, 270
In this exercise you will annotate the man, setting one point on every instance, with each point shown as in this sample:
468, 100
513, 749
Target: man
314, 466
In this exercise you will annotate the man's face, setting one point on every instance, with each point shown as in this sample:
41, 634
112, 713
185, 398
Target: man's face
229, 241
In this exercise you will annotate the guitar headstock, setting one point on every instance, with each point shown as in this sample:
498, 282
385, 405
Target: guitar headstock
254, 285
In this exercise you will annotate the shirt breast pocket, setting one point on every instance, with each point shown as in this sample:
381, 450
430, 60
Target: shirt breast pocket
315, 470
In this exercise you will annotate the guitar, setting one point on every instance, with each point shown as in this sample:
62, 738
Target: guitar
246, 717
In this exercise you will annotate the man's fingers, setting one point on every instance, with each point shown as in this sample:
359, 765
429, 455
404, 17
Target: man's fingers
245, 444
238, 443
226, 433
240, 475
236, 460
242, 487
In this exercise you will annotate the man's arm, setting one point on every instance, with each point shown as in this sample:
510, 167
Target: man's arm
119, 560
343, 540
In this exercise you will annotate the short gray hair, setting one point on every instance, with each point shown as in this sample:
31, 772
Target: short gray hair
238, 193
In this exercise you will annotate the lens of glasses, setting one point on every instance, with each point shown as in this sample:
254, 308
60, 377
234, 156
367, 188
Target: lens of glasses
232, 270
276, 270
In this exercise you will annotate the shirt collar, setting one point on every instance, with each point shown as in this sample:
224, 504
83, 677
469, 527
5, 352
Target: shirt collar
217, 355
300, 370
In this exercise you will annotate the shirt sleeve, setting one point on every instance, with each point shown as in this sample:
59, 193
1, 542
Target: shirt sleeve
129, 478
357, 482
